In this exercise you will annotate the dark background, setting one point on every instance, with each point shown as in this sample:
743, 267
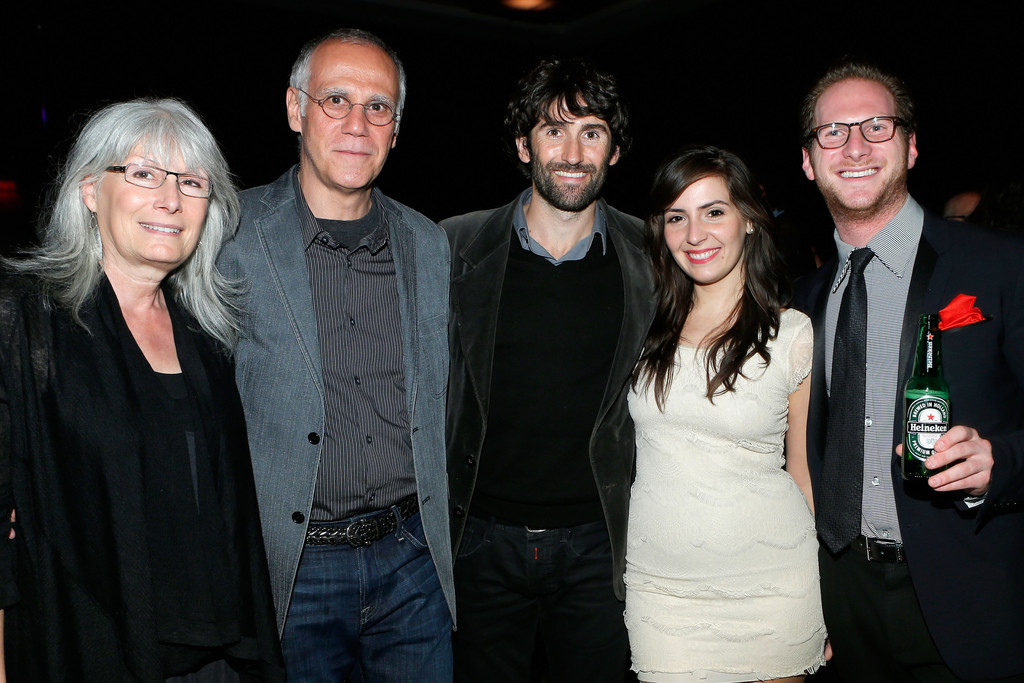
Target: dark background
724, 72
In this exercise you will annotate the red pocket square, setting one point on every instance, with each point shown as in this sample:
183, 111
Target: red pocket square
959, 312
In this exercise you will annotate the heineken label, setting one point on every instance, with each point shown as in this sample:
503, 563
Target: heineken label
927, 420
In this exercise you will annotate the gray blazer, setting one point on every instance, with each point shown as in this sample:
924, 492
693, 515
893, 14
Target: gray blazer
280, 377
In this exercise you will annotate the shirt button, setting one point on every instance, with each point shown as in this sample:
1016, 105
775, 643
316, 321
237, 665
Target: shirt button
352, 322
867, 421
874, 481
298, 517
359, 382
885, 533
458, 511
314, 438
470, 460
369, 439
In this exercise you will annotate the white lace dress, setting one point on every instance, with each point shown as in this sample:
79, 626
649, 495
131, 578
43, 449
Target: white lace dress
721, 554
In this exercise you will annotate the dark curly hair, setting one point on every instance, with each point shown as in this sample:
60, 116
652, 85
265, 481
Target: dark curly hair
766, 286
556, 87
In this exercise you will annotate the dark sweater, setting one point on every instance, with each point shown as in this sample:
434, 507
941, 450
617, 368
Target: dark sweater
556, 335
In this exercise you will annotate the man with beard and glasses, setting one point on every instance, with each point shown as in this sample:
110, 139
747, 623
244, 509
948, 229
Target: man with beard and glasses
551, 297
920, 580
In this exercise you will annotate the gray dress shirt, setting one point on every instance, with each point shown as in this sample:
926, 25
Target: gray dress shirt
578, 251
888, 280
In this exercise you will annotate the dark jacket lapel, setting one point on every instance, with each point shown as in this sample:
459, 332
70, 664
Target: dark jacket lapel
476, 293
638, 302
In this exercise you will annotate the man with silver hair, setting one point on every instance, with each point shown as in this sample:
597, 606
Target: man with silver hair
342, 366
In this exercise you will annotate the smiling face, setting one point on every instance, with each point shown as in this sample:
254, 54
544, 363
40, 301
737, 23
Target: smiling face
341, 157
145, 232
864, 183
705, 233
569, 159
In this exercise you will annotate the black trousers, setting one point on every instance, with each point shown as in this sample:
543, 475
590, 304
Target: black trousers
875, 624
515, 588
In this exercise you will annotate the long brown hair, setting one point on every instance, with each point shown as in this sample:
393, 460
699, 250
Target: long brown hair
766, 286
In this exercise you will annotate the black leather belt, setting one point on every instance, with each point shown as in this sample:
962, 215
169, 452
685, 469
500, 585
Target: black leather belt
362, 531
880, 550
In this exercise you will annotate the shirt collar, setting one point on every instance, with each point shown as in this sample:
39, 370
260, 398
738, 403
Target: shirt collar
578, 251
894, 245
311, 230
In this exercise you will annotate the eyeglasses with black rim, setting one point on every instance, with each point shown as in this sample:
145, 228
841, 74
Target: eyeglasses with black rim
152, 177
835, 135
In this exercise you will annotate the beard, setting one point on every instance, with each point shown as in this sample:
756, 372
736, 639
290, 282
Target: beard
572, 198
890, 198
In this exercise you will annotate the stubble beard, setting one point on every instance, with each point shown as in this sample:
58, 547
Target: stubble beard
891, 197
572, 198
889, 201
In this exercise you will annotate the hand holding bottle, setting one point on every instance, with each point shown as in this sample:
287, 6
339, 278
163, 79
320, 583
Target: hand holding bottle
973, 472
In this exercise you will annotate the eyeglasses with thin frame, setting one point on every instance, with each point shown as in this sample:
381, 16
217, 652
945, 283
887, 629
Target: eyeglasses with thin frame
875, 129
338, 107
152, 177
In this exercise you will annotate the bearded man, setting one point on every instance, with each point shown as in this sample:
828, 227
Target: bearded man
551, 297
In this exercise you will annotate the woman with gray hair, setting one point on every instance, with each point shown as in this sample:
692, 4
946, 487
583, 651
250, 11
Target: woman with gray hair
137, 552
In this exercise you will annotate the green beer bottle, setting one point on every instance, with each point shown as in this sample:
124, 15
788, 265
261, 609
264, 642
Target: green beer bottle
926, 398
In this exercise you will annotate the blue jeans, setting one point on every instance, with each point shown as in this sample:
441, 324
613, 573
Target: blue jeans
379, 607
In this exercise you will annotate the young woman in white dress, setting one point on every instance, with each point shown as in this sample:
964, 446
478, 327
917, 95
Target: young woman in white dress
721, 559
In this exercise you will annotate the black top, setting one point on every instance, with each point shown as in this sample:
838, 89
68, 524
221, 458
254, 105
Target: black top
196, 606
555, 340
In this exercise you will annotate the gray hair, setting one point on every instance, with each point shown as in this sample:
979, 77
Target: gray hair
68, 258
300, 75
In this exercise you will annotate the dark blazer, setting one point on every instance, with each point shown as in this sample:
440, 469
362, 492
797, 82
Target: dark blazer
480, 244
965, 564
78, 601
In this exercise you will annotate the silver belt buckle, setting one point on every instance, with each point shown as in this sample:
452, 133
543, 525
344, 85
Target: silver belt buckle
357, 533
533, 531
881, 547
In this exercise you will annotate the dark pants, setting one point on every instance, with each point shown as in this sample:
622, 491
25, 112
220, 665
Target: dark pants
379, 606
214, 672
514, 587
875, 624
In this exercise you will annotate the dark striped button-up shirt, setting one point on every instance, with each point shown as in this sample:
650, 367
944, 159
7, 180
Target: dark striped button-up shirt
366, 453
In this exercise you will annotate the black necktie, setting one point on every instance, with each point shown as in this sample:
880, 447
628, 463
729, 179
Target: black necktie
843, 468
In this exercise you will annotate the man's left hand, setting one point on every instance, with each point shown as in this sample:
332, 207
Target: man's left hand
972, 474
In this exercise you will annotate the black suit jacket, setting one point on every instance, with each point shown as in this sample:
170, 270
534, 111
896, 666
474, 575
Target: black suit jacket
965, 564
480, 244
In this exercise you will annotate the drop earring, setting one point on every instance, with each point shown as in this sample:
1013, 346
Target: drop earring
96, 235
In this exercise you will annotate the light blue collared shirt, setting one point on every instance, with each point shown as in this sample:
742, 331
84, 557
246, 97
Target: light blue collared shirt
578, 251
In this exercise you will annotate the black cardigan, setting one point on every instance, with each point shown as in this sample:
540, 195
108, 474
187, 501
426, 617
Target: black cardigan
75, 582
